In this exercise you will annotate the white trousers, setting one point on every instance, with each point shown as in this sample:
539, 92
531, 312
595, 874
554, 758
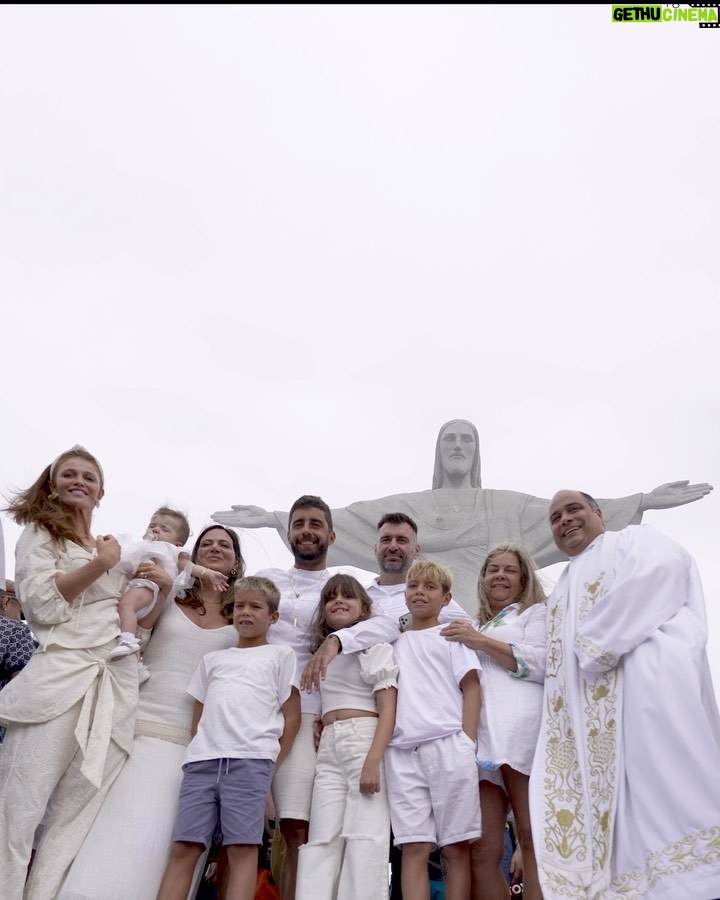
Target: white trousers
346, 857
38, 761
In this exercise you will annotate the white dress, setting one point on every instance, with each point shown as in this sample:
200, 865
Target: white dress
126, 851
512, 701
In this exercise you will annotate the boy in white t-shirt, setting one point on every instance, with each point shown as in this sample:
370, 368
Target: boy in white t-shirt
247, 713
430, 762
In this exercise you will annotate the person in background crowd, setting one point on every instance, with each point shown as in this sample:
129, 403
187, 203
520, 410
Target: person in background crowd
17, 644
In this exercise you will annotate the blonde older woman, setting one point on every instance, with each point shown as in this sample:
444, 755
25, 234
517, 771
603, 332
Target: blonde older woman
511, 641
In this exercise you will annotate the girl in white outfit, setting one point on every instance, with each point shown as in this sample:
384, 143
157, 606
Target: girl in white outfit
346, 857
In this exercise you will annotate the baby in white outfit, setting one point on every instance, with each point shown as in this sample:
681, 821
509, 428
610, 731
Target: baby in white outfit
161, 545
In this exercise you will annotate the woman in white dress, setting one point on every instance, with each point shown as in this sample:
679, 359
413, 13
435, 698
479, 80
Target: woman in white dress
70, 715
126, 851
511, 641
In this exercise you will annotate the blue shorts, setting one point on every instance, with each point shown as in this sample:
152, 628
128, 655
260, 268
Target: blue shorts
232, 792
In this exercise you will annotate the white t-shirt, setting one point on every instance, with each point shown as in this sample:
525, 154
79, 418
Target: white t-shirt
242, 690
299, 597
430, 702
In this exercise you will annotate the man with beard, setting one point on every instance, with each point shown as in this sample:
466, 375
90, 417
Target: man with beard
624, 791
396, 549
310, 534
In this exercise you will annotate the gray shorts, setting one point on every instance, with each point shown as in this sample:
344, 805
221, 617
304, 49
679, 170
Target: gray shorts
232, 792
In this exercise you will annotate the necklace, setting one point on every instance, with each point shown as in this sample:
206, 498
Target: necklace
299, 593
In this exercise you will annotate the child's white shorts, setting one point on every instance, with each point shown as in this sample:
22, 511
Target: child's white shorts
433, 791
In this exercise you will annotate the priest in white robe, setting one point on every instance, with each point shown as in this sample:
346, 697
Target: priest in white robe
625, 786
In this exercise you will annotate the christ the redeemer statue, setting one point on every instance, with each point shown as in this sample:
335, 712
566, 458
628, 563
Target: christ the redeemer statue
458, 519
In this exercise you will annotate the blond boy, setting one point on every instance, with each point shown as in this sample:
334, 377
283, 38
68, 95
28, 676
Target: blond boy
430, 762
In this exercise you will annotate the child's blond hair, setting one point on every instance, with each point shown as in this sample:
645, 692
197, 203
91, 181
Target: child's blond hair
431, 571
263, 586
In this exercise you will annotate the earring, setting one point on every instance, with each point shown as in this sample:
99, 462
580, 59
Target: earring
233, 571
97, 504
52, 496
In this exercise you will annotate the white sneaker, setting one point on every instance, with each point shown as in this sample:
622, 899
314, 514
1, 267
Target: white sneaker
143, 673
125, 647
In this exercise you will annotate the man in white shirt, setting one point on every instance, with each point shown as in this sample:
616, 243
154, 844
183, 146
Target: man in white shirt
310, 534
396, 549
624, 792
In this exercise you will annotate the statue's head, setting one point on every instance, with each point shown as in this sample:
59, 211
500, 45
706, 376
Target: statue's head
457, 452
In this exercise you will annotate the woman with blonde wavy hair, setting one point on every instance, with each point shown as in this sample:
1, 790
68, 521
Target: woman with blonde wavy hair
511, 641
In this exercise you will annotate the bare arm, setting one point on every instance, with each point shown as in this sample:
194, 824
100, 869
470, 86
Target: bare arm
316, 668
516, 864
72, 584
291, 712
467, 634
470, 687
216, 579
197, 713
370, 775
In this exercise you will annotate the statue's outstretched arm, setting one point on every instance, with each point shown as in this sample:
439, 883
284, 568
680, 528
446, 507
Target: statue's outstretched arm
674, 493
248, 517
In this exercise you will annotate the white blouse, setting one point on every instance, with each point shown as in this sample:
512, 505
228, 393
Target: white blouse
353, 678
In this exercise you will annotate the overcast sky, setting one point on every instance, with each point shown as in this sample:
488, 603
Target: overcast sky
253, 252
